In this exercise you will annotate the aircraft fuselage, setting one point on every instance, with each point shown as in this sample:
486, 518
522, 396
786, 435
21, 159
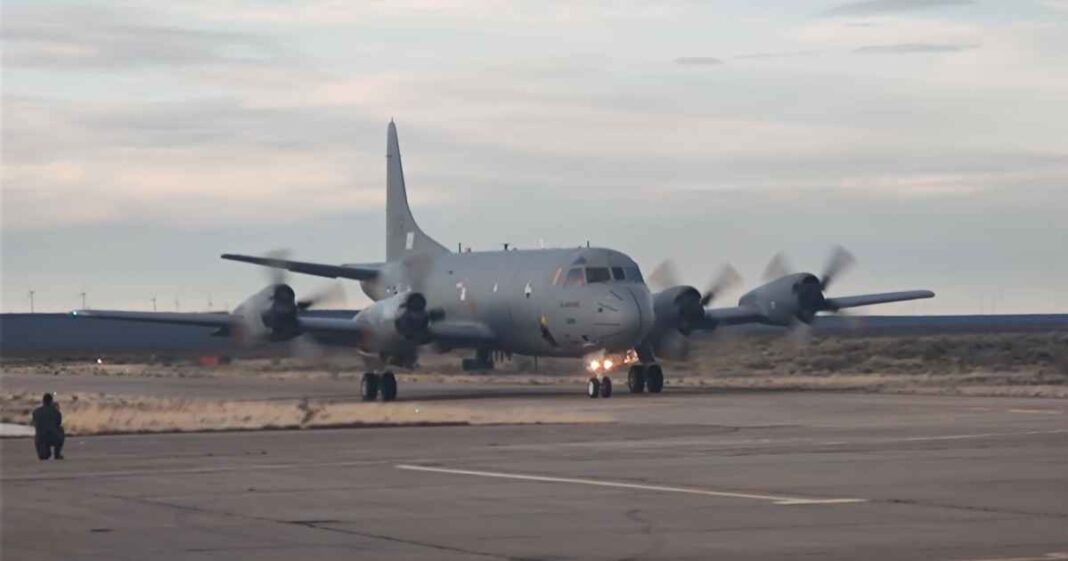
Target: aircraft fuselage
550, 302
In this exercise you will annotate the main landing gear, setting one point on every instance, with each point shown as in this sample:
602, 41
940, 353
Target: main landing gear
642, 377
372, 384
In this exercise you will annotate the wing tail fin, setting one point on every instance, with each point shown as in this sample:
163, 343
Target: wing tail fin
403, 235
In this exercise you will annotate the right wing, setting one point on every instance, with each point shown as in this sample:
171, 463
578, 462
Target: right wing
355, 272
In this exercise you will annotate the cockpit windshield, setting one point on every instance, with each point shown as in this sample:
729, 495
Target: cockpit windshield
597, 274
575, 277
581, 276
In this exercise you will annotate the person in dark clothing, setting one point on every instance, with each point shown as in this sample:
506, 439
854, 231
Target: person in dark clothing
48, 429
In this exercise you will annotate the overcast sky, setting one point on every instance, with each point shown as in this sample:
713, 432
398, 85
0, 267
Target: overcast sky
930, 137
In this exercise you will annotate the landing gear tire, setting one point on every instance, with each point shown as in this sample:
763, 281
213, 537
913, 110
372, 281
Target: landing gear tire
388, 386
593, 388
369, 386
636, 378
654, 378
606, 387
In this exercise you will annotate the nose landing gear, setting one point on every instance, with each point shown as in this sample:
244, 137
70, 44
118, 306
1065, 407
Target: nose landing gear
599, 387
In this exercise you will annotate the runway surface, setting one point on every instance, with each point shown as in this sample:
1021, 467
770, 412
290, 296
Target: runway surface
678, 476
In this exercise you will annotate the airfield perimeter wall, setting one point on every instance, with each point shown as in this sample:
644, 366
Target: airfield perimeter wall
43, 335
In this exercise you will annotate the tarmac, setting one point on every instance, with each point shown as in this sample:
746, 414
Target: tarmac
682, 475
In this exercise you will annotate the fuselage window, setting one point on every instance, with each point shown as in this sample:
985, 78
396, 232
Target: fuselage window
597, 274
617, 273
575, 277
634, 274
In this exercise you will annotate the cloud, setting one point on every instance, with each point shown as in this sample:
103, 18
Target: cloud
914, 48
698, 61
201, 162
71, 36
775, 55
880, 7
1056, 5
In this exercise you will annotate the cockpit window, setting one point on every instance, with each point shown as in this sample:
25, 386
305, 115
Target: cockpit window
575, 277
597, 274
617, 273
634, 274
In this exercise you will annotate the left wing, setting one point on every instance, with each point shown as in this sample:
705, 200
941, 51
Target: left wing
220, 320
217, 319
882, 298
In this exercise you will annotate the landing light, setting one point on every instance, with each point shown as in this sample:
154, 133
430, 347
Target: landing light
608, 364
595, 365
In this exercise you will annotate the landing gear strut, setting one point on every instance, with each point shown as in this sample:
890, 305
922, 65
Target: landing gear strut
371, 384
636, 378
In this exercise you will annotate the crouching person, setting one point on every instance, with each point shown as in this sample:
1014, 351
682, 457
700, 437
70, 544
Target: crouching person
48, 429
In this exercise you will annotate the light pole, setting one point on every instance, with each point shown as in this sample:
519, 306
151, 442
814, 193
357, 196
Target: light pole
32, 292
153, 303
82, 294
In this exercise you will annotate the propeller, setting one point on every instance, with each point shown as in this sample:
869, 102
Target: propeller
679, 307
666, 275
417, 269
330, 294
806, 288
284, 304
777, 267
839, 261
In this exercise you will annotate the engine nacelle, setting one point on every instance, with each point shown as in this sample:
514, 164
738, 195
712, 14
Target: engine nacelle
394, 325
268, 315
678, 307
796, 297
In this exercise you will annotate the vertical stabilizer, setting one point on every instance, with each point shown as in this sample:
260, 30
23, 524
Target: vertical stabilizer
403, 236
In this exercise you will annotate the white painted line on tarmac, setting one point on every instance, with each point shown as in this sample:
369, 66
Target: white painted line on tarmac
972, 436
1042, 557
776, 499
1036, 411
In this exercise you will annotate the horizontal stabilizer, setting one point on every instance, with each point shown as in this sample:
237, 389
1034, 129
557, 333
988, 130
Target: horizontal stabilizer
317, 269
883, 298
221, 320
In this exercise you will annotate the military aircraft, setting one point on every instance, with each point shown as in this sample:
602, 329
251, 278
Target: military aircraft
586, 302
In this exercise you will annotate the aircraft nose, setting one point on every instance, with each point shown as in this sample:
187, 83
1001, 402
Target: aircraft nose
624, 317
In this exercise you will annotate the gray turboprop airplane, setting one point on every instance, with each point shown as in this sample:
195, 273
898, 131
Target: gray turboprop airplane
587, 302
